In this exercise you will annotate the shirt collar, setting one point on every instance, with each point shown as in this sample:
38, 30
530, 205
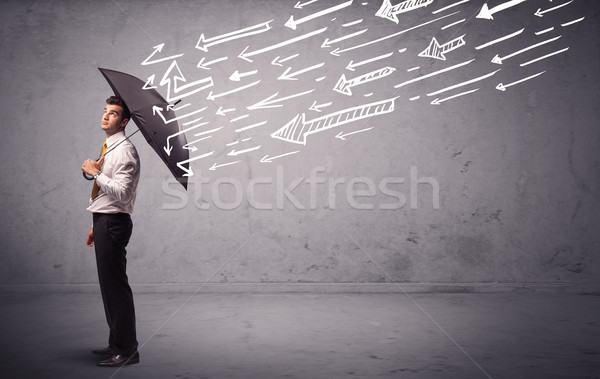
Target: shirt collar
117, 137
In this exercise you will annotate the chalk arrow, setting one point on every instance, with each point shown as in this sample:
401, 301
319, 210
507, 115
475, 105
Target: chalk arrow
438, 101
270, 101
292, 24
174, 85
344, 86
499, 60
487, 13
189, 146
503, 87
221, 111
298, 128
204, 65
156, 109
234, 152
267, 159
317, 108
236, 76
389, 11
246, 56
278, 62
212, 97
291, 76
188, 171
216, 166
352, 66
342, 135
437, 51
540, 12
204, 43
157, 49
150, 82
327, 42
168, 148
301, 5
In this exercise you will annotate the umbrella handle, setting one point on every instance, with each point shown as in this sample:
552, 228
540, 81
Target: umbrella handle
88, 177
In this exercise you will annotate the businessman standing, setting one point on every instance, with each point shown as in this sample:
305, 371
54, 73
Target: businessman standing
116, 177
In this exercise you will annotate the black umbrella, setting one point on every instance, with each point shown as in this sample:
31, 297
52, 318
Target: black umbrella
143, 103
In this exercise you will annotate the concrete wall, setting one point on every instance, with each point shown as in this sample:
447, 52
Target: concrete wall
517, 170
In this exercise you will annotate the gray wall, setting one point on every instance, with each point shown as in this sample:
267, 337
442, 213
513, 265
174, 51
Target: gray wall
518, 171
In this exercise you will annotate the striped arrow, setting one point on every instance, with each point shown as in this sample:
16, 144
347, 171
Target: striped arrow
389, 11
344, 86
437, 51
291, 23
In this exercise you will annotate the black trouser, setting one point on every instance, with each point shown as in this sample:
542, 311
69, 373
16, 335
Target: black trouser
111, 235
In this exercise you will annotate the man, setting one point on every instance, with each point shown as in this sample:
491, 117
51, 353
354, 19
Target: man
116, 177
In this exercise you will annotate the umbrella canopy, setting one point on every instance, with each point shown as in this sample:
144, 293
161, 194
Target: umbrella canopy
166, 139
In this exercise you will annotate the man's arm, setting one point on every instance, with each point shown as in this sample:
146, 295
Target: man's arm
90, 237
122, 183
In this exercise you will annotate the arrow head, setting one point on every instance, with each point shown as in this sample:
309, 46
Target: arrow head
275, 62
298, 5
159, 47
335, 52
501, 87
265, 159
434, 50
235, 76
291, 23
485, 13
168, 149
285, 76
539, 13
200, 43
242, 56
232, 153
436, 101
325, 44
497, 60
156, 108
341, 136
210, 96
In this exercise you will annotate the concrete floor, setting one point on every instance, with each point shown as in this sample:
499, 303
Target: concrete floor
228, 335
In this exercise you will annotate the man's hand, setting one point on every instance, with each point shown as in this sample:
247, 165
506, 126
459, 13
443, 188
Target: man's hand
91, 167
90, 238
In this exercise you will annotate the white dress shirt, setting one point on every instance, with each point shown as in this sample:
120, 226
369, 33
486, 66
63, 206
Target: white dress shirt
118, 179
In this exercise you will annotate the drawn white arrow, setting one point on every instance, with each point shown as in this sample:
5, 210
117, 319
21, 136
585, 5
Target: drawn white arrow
150, 82
190, 145
437, 51
298, 128
267, 159
499, 60
317, 108
437, 101
189, 171
244, 55
216, 166
291, 76
221, 111
339, 51
327, 42
203, 65
204, 43
177, 87
503, 87
342, 135
300, 6
234, 153
540, 12
389, 11
157, 49
212, 97
237, 76
292, 24
352, 66
278, 62
270, 101
487, 13
344, 85
156, 109
168, 148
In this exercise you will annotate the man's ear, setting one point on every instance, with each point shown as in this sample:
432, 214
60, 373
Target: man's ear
124, 122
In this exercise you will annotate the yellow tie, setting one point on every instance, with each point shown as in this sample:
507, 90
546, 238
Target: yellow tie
96, 188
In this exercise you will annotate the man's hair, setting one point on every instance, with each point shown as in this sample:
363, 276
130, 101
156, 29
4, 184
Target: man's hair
117, 100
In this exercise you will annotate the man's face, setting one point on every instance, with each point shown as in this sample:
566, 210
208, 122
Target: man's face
112, 119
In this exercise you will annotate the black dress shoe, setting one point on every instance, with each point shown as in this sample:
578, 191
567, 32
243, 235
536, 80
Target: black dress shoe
118, 360
105, 351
